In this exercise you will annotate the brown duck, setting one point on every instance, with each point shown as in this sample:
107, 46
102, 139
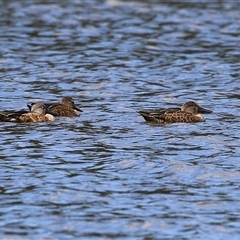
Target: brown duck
66, 108
37, 114
188, 113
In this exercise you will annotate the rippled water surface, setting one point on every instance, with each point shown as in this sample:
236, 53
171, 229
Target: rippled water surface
107, 174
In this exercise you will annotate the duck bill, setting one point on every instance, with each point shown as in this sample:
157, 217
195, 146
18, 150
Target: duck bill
30, 105
203, 110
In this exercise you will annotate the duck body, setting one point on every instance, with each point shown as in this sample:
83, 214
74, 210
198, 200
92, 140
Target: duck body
37, 114
66, 108
172, 117
8, 114
33, 117
188, 113
64, 111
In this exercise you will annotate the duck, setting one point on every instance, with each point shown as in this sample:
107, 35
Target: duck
6, 114
188, 113
38, 113
65, 108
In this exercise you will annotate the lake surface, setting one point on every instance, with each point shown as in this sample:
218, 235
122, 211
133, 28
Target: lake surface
107, 174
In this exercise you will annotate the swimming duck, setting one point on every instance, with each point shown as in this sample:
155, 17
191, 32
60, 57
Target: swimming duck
7, 114
66, 108
188, 113
37, 114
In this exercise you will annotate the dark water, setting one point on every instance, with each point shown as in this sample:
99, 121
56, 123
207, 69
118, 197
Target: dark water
108, 174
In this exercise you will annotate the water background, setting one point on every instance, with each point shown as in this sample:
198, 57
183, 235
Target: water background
107, 174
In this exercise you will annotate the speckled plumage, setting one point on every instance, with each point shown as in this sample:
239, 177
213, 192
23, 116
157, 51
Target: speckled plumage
37, 114
33, 117
7, 114
188, 113
66, 108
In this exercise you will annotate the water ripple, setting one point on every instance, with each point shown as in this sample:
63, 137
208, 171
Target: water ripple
108, 174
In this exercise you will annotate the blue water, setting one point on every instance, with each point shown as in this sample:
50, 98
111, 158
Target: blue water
107, 174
